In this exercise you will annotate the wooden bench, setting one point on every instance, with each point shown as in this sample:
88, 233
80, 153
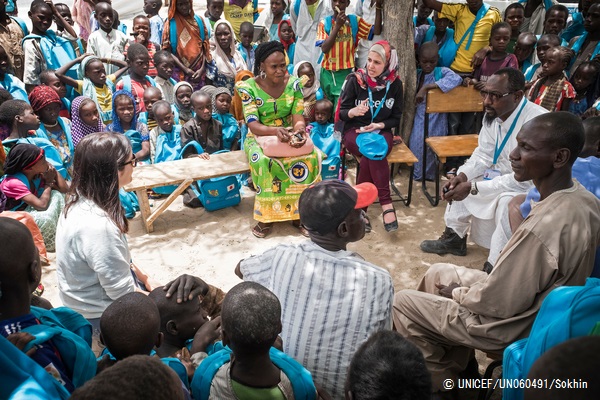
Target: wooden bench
181, 173
459, 99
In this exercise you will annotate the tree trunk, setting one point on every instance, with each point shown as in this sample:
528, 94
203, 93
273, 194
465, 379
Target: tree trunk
399, 31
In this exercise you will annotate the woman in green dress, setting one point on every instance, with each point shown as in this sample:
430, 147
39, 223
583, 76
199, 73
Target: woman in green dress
273, 107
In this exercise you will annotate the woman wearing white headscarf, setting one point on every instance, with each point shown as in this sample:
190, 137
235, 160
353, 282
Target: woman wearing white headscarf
227, 61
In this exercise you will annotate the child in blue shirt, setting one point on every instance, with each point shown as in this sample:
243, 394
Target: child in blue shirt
231, 129
322, 135
246, 47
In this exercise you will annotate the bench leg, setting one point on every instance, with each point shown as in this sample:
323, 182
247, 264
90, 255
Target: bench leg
435, 199
163, 206
145, 209
406, 200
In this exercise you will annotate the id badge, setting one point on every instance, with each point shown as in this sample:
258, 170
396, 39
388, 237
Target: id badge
490, 174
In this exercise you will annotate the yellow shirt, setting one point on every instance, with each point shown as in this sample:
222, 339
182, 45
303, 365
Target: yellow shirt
103, 94
312, 9
236, 15
463, 18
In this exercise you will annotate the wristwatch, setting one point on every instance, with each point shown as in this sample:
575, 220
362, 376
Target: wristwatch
474, 189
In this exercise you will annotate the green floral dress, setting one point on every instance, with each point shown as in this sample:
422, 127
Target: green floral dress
279, 181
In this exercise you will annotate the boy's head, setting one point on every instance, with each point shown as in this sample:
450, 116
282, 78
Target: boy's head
428, 56
422, 10
138, 60
246, 33
93, 69
136, 377
306, 69
222, 100
340, 5
183, 95
278, 7
105, 16
4, 96
64, 12
18, 114
524, 46
556, 19
557, 60
151, 95
130, 326
250, 318
514, 14
163, 61
202, 104
141, 27
441, 24
545, 43
285, 30
591, 147
323, 111
214, 8
591, 22
163, 115
585, 76
20, 268
500, 36
41, 16
152, 7
387, 366
178, 321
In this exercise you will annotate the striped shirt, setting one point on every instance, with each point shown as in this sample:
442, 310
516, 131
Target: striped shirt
332, 301
341, 55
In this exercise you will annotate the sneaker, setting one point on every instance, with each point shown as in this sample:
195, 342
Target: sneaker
449, 242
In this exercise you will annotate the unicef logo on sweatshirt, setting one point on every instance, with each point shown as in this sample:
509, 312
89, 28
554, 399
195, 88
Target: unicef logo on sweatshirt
389, 103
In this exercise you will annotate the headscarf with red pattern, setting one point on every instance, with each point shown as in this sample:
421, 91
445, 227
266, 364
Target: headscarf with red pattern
41, 96
390, 71
286, 43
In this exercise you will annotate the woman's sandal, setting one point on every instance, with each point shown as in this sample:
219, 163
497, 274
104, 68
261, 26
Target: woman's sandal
368, 227
392, 226
451, 174
301, 228
261, 230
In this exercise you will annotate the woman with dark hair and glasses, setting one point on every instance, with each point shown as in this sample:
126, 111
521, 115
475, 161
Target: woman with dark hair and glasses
92, 255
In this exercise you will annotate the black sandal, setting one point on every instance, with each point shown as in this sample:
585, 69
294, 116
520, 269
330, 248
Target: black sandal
261, 231
368, 227
392, 226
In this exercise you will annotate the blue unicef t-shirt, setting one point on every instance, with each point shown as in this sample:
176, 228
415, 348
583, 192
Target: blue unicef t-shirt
45, 355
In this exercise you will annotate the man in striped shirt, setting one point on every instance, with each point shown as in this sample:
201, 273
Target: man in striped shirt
332, 299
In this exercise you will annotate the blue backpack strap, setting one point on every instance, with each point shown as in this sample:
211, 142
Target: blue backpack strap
297, 7
127, 83
354, 27
66, 318
21, 24
23, 378
74, 351
176, 365
173, 35
429, 34
471, 31
200, 26
300, 378
206, 371
437, 73
150, 80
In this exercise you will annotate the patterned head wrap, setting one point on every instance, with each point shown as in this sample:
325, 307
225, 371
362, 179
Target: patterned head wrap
41, 96
390, 71
116, 121
80, 129
22, 156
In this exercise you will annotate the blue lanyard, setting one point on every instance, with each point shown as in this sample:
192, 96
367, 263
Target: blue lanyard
374, 114
498, 151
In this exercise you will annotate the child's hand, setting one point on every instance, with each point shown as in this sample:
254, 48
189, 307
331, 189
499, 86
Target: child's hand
479, 85
466, 81
341, 19
20, 340
51, 5
421, 95
204, 156
207, 334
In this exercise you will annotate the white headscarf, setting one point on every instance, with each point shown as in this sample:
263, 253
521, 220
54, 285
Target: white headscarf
224, 65
306, 91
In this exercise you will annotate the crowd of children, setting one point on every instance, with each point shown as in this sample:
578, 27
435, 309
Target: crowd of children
169, 86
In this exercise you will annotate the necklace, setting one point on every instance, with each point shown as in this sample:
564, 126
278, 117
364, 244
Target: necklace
51, 125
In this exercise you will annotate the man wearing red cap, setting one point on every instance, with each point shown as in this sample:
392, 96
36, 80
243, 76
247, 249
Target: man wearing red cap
332, 299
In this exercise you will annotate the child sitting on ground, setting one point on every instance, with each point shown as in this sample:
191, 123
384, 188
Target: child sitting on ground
311, 89
251, 322
245, 46
141, 35
8, 81
152, 8
138, 80
151, 95
584, 81
163, 60
230, 128
29, 327
93, 81
553, 91
107, 42
84, 119
125, 121
288, 39
429, 77
497, 59
321, 133
49, 78
183, 111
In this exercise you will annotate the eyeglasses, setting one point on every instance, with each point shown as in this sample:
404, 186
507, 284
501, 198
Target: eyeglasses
494, 97
133, 162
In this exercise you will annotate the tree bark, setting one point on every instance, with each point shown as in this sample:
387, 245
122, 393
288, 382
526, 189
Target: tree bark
399, 31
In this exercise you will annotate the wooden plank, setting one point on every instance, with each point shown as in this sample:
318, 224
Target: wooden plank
459, 99
175, 172
453, 146
401, 154
144, 208
160, 209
